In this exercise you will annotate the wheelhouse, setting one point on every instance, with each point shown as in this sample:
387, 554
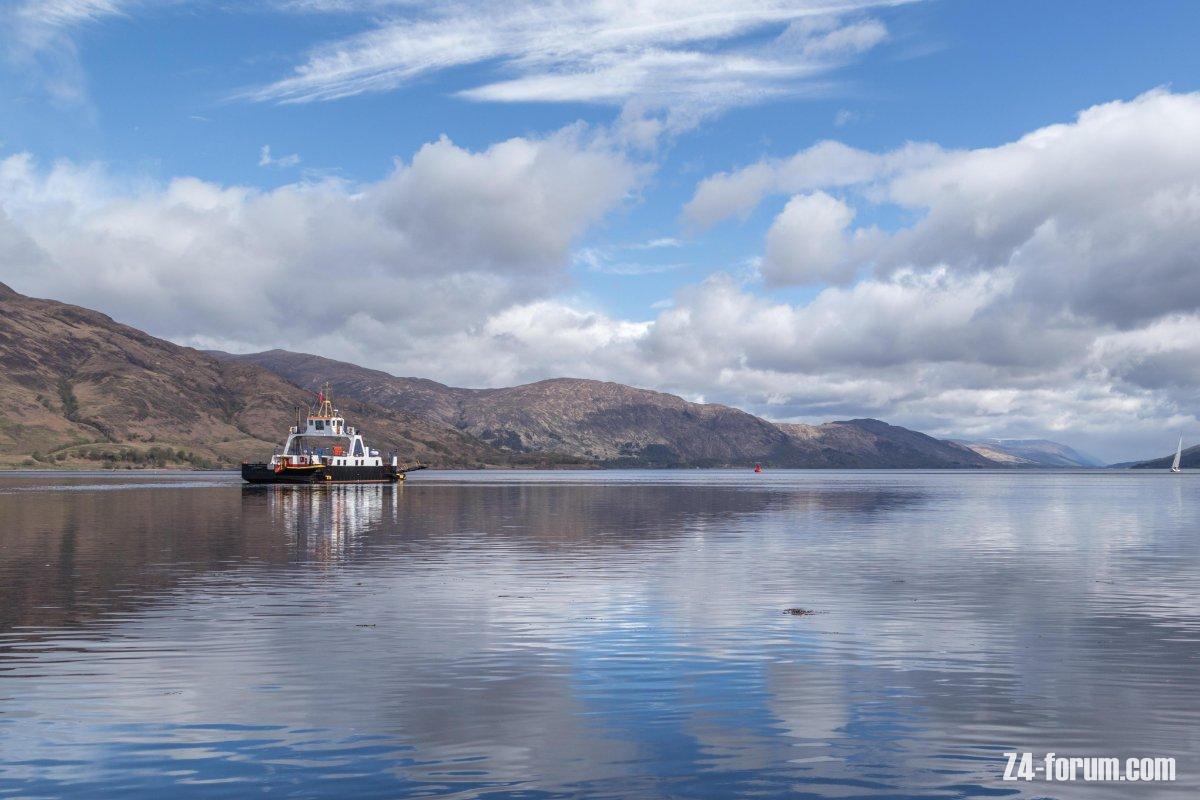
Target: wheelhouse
323, 437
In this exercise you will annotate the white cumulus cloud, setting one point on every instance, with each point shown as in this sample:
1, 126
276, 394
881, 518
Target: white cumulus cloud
808, 243
1098, 217
1043, 287
444, 240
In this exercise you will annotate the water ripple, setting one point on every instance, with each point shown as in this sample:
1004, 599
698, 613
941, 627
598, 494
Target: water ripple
589, 634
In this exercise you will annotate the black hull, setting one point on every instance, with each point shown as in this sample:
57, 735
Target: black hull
264, 473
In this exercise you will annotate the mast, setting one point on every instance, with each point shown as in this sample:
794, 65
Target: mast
325, 404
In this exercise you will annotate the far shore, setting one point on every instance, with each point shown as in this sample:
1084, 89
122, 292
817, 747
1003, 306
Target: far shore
13, 469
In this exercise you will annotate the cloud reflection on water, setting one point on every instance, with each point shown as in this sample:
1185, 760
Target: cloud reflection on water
598, 635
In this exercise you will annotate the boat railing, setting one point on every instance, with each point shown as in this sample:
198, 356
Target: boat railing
294, 460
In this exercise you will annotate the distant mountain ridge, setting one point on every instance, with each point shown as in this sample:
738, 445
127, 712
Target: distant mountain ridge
1032, 453
78, 389
601, 422
610, 424
867, 443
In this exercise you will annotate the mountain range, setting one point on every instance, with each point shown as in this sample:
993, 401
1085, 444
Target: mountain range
1032, 453
78, 389
610, 424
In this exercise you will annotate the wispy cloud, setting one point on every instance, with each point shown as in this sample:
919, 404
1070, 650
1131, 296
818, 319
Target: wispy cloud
698, 54
608, 260
282, 162
655, 244
48, 14
38, 41
845, 117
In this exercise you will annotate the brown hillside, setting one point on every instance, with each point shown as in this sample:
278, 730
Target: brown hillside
79, 389
617, 425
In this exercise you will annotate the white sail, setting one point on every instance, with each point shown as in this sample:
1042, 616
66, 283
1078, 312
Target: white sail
1178, 456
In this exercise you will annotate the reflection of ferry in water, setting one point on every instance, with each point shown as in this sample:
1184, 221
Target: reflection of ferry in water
325, 449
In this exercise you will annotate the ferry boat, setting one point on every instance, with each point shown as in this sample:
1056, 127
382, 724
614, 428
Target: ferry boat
324, 449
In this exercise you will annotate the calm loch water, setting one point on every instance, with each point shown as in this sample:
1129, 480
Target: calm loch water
615, 634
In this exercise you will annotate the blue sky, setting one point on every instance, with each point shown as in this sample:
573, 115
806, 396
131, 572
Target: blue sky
612, 236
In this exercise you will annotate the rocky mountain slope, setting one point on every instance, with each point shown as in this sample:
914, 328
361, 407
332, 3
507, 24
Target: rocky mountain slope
1032, 453
615, 425
78, 389
598, 422
867, 443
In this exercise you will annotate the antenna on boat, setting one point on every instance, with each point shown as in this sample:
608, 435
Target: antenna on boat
325, 409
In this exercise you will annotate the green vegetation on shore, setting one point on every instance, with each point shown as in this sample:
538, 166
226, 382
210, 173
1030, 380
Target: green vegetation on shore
117, 456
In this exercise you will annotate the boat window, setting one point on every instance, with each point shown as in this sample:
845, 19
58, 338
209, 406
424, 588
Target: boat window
320, 425
319, 444
358, 448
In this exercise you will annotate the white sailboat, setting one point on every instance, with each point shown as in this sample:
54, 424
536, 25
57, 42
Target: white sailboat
1178, 456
